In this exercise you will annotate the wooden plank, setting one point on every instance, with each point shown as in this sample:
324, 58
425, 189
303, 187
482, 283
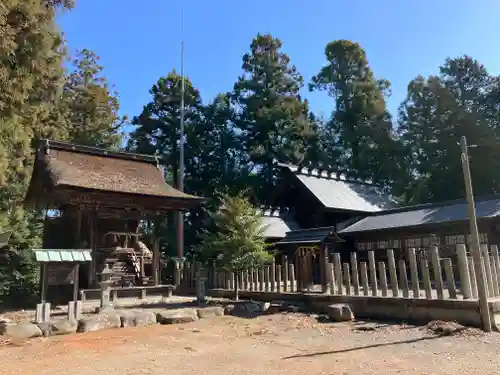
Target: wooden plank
338, 273
487, 268
494, 275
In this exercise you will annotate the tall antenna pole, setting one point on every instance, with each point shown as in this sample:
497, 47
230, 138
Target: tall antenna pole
180, 216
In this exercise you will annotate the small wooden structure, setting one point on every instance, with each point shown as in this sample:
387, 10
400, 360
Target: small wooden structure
100, 197
311, 249
60, 267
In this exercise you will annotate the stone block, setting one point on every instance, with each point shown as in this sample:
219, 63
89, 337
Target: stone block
177, 316
22, 331
100, 321
58, 327
210, 312
136, 318
340, 312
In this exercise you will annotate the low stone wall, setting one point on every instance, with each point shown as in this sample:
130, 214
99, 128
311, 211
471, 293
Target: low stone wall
411, 310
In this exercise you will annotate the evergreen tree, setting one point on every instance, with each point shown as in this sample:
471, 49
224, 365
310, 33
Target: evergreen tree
237, 244
360, 129
271, 115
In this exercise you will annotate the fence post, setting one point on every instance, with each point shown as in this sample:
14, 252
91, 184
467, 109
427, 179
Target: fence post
355, 274
364, 278
463, 271
338, 272
436, 269
347, 279
414, 273
473, 280
392, 273
285, 273
278, 278
426, 277
450, 278
404, 278
293, 286
487, 268
383, 278
273, 276
373, 272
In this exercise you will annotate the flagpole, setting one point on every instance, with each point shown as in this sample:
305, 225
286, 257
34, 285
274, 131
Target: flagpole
180, 216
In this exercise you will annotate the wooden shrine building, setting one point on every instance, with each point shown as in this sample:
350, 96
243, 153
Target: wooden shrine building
100, 198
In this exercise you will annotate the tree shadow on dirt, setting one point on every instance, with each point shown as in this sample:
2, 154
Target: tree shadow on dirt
425, 338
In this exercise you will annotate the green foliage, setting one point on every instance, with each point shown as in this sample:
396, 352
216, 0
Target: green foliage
271, 116
236, 243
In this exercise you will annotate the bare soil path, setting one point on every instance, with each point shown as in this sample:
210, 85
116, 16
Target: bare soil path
270, 344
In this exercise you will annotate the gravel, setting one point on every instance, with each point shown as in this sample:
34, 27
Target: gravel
269, 344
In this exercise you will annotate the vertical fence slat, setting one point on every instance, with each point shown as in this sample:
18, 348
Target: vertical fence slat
338, 273
278, 278
403, 276
392, 273
285, 273
494, 275
383, 278
267, 276
415, 282
355, 274
450, 278
273, 276
331, 278
494, 252
436, 270
473, 280
487, 269
373, 273
364, 277
347, 279
261, 278
463, 271
293, 286
426, 277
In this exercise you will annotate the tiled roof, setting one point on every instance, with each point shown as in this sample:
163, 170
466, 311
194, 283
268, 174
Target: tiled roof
337, 192
308, 236
277, 223
424, 215
62, 255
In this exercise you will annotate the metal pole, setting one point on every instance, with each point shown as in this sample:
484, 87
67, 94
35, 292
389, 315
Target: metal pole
180, 218
481, 285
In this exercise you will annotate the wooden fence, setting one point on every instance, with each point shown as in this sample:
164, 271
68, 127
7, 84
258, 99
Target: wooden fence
429, 277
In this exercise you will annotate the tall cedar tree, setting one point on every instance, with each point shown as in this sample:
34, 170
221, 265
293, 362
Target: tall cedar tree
31, 56
237, 244
360, 123
461, 101
158, 132
88, 106
271, 116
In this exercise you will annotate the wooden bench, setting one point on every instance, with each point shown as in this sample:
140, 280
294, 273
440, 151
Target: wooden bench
164, 290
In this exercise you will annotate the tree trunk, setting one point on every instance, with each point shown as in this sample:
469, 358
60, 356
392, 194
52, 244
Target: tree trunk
236, 288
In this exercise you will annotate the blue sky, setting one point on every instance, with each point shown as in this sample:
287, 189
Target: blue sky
139, 41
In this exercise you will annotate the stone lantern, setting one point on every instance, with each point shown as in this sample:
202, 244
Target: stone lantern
200, 285
105, 284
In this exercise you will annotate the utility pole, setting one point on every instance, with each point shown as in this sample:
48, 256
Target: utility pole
484, 309
180, 186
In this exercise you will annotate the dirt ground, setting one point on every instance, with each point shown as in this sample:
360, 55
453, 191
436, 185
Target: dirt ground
269, 344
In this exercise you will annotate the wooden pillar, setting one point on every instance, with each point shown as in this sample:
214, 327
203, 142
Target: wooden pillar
78, 229
92, 245
76, 279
